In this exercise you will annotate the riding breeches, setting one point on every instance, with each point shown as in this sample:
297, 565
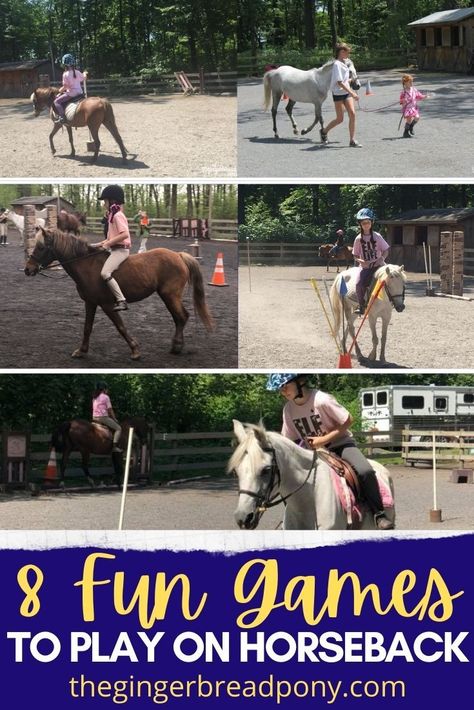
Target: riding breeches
60, 103
363, 283
112, 424
365, 473
111, 264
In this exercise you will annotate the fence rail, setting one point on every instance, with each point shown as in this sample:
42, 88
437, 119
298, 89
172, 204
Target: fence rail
469, 262
163, 226
422, 446
282, 253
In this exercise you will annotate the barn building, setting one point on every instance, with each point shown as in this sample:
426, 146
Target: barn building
407, 233
40, 202
20, 79
445, 41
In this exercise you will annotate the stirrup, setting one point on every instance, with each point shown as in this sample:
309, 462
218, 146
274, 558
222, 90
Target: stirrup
121, 306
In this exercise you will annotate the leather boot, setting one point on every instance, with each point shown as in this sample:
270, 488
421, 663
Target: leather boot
382, 522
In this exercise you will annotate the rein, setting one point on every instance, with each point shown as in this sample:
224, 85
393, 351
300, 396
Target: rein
267, 500
67, 261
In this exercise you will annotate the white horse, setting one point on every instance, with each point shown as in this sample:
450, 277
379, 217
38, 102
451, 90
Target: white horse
392, 295
19, 222
309, 86
271, 469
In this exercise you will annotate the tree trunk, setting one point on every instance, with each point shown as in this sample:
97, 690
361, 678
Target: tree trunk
332, 22
309, 33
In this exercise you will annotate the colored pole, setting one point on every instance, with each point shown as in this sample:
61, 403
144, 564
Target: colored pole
371, 302
318, 293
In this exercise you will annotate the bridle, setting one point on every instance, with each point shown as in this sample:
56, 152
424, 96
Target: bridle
391, 297
268, 499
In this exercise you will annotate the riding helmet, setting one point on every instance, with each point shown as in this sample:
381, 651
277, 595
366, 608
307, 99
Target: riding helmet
279, 379
68, 60
113, 193
340, 231
101, 385
365, 213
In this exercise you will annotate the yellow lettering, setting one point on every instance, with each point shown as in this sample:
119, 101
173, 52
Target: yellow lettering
31, 604
266, 583
88, 583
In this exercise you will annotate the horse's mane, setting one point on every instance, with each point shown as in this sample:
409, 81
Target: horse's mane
258, 437
70, 245
47, 91
399, 270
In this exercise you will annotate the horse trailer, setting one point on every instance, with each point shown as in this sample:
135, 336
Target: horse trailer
392, 408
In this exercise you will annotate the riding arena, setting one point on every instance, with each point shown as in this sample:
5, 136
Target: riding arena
282, 318
165, 134
437, 149
43, 316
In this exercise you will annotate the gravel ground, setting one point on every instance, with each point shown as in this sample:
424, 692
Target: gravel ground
42, 318
166, 136
437, 150
209, 505
281, 323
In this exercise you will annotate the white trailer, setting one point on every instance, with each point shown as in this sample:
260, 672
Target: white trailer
395, 407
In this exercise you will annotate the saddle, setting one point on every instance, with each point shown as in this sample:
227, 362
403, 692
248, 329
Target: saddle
71, 107
343, 469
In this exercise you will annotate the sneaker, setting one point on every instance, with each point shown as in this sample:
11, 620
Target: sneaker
355, 144
382, 522
121, 306
324, 136
117, 450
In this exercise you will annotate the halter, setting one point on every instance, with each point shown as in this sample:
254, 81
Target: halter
267, 500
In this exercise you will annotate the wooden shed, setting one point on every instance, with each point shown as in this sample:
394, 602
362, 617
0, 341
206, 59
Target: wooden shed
20, 79
40, 202
407, 233
445, 40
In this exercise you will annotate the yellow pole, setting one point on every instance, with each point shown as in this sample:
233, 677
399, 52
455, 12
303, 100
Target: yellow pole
314, 284
371, 302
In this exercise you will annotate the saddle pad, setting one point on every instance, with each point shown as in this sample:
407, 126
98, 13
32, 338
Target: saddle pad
347, 499
71, 109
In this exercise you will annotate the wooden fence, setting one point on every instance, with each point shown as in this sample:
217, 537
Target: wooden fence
280, 253
163, 227
204, 82
469, 262
447, 447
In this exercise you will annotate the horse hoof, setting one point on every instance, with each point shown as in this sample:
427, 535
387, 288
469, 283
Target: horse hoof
304, 132
296, 132
135, 355
176, 349
78, 353
276, 135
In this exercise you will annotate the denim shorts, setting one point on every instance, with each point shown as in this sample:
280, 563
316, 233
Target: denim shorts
340, 97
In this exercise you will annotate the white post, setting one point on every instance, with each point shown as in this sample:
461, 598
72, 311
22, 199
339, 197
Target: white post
248, 261
125, 478
435, 513
429, 264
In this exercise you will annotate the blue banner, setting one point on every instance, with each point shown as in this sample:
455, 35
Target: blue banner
366, 623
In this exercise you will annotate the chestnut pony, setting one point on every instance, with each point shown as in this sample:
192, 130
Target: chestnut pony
91, 112
93, 438
343, 256
159, 270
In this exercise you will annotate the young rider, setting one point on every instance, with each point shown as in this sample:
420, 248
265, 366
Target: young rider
103, 413
117, 240
369, 250
409, 101
317, 419
72, 80
339, 243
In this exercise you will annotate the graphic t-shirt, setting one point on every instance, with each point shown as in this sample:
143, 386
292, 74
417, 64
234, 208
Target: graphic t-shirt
319, 415
101, 405
370, 248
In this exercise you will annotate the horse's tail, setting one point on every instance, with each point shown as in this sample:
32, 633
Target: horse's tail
336, 304
109, 123
58, 437
199, 297
267, 91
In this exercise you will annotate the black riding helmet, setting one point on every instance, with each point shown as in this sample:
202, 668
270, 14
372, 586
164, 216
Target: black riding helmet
113, 193
101, 386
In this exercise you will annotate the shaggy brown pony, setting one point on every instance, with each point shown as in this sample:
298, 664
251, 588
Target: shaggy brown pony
343, 256
159, 270
92, 112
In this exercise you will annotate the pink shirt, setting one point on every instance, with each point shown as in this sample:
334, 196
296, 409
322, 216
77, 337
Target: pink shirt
370, 249
316, 417
120, 224
101, 405
72, 83
408, 99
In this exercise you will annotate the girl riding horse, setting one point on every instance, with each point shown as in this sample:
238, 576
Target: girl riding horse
71, 88
370, 250
103, 413
317, 420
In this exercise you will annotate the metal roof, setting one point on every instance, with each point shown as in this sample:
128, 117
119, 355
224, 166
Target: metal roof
27, 64
443, 18
433, 216
38, 200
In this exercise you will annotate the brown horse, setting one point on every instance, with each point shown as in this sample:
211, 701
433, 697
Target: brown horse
71, 221
92, 112
343, 255
159, 270
93, 438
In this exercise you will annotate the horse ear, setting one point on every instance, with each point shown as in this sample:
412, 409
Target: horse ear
239, 430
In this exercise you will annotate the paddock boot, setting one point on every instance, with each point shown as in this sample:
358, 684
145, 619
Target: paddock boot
120, 302
412, 127
406, 132
382, 522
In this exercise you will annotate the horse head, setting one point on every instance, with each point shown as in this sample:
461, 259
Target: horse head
43, 253
353, 78
42, 98
323, 250
253, 464
395, 279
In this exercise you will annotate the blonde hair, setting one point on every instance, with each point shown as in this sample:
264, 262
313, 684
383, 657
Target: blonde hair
339, 46
406, 78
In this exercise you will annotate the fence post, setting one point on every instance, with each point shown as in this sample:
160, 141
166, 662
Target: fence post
435, 513
202, 86
29, 231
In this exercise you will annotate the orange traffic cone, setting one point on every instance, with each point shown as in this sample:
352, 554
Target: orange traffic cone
51, 472
368, 89
345, 361
218, 278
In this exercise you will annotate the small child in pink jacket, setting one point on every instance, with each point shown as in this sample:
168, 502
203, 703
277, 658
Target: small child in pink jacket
408, 100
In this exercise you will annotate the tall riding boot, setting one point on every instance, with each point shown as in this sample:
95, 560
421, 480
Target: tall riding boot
371, 494
120, 302
412, 126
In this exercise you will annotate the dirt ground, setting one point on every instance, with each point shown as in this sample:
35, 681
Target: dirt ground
42, 318
166, 136
281, 322
210, 504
